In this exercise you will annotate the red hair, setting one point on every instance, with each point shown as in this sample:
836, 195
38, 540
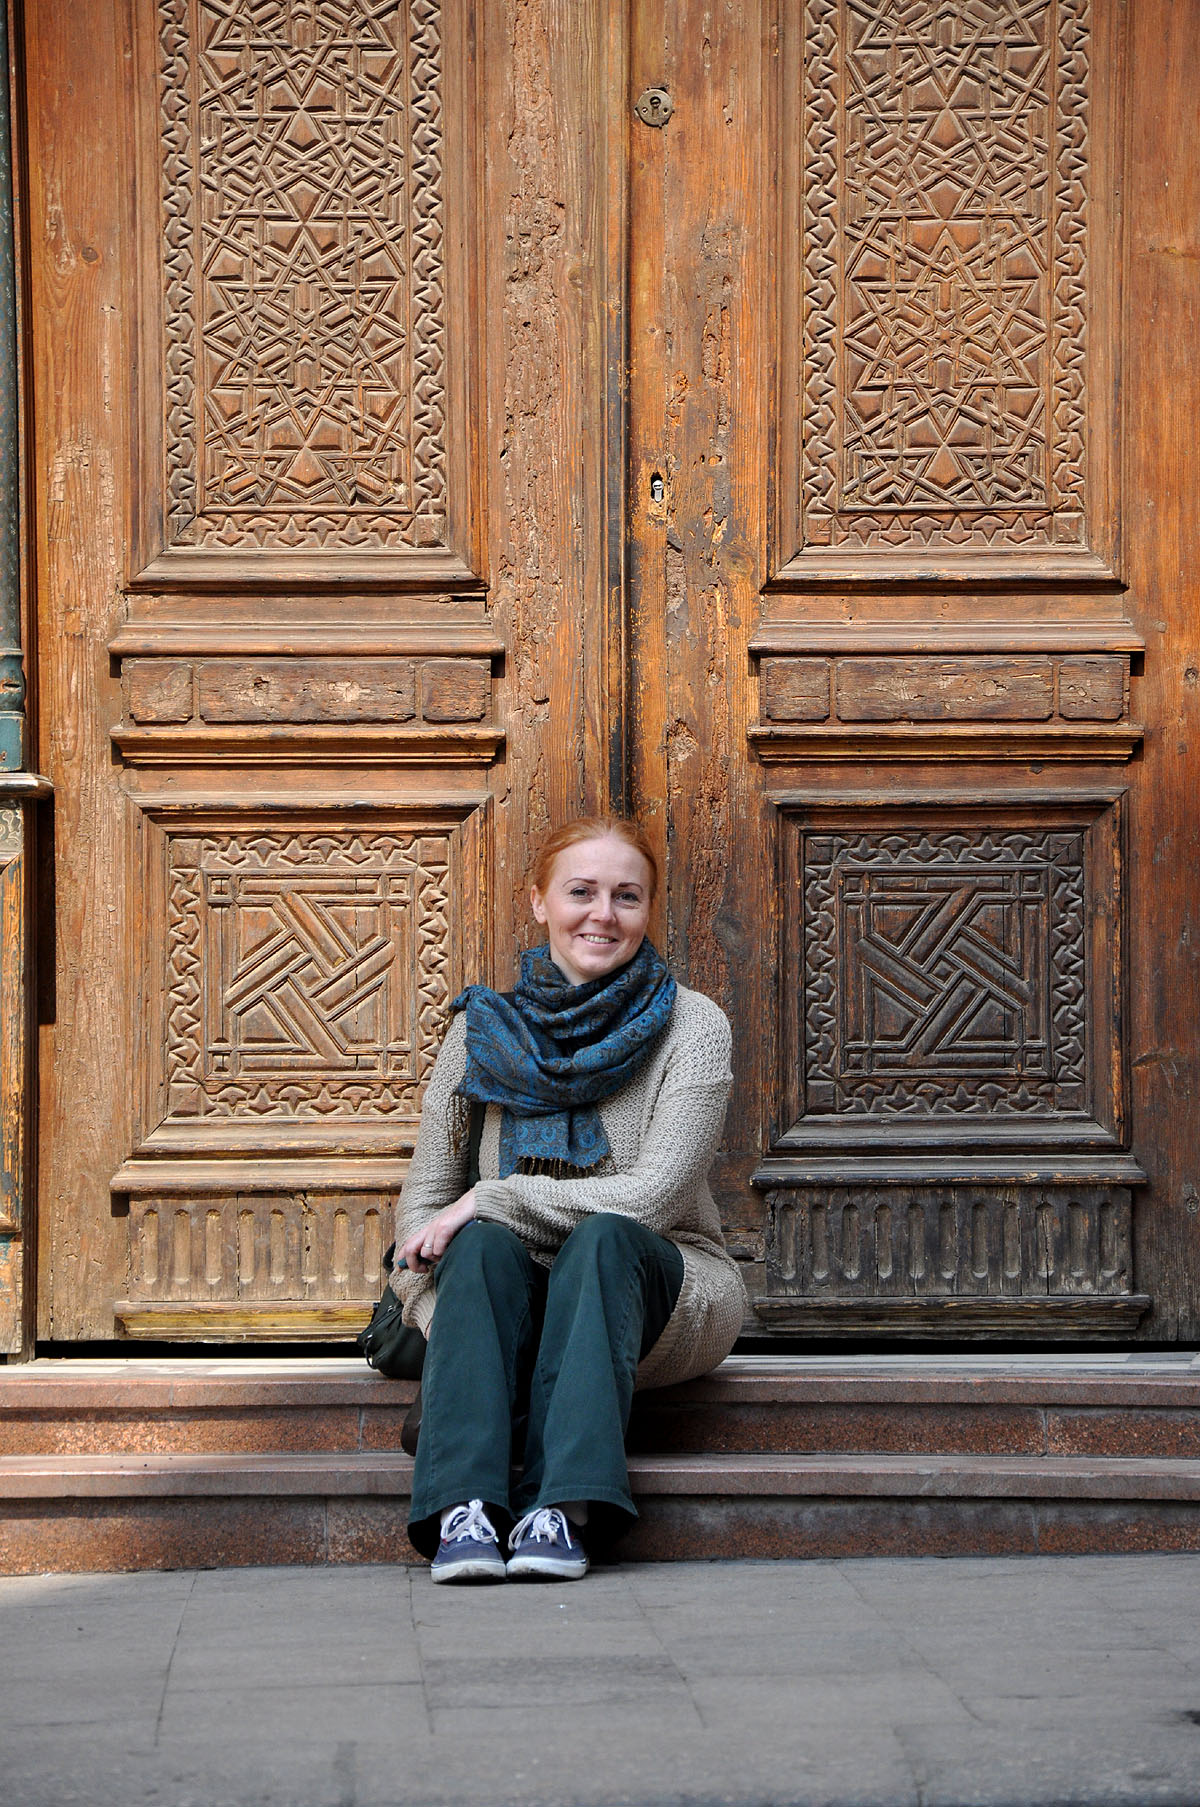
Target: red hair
592, 828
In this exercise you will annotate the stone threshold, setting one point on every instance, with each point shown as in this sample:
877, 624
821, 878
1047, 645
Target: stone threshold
1130, 1378
775, 1475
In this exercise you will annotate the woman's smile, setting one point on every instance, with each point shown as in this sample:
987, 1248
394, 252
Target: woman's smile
596, 906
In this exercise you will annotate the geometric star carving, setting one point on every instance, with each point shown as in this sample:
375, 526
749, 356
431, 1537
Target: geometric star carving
304, 248
945, 252
303, 242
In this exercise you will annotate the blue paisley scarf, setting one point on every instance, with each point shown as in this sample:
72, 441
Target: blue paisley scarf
550, 1051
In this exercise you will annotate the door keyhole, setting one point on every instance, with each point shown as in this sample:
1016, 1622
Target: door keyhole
657, 490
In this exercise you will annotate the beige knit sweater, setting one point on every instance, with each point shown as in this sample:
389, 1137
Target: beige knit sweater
663, 1128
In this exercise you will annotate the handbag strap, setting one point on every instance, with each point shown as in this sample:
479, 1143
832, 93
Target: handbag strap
474, 1137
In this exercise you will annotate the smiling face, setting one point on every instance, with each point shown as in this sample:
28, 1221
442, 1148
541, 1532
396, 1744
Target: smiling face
595, 907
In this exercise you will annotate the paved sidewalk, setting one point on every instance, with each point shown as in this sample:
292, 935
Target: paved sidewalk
922, 1682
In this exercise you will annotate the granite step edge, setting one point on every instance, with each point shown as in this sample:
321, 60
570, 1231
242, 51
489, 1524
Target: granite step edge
65, 1386
25, 1478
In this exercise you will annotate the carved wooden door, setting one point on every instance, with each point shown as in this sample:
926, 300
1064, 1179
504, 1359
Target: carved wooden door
912, 487
308, 497
427, 442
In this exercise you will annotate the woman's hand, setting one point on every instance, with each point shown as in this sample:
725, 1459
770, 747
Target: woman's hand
432, 1240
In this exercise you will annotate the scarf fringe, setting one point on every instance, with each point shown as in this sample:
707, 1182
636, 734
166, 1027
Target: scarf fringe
537, 1167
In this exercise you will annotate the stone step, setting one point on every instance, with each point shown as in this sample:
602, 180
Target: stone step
1012, 1406
1121, 1406
388, 1474
214, 1461
102, 1512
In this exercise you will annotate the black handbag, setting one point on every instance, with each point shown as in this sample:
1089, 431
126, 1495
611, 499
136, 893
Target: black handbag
390, 1345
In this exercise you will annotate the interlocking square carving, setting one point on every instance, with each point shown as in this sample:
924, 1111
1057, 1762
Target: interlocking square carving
945, 227
308, 973
945, 973
303, 262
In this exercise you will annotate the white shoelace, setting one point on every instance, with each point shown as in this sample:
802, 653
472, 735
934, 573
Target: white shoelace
468, 1521
545, 1524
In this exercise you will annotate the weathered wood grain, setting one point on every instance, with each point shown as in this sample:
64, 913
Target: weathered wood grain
699, 364
796, 690
78, 76
924, 690
1161, 536
1092, 689
546, 324
307, 690
455, 690
159, 690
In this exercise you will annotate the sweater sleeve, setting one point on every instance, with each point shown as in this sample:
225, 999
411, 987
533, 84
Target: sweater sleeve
437, 1173
676, 1151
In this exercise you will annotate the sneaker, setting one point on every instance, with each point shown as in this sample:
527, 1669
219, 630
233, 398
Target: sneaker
544, 1544
470, 1549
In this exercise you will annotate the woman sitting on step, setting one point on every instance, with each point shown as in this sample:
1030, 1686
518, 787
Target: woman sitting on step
560, 1239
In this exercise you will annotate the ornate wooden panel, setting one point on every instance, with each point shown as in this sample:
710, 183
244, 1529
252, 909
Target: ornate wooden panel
947, 698
940, 357
314, 380
953, 978
269, 1266
383, 711
1003, 1257
311, 281
300, 966
1063, 705
256, 1248
929, 1241
296, 966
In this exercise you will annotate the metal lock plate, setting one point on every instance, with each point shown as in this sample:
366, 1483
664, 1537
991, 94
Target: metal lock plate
654, 106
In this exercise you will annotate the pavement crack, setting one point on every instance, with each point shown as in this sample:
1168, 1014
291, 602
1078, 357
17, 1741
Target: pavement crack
1147, 1629
416, 1632
916, 1769
162, 1702
898, 1631
344, 1773
657, 1636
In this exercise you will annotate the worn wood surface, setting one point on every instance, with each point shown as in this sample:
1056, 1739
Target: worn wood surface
550, 240
698, 418
78, 70
1161, 525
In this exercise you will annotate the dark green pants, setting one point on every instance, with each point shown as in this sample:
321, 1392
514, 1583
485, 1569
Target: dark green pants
566, 1343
